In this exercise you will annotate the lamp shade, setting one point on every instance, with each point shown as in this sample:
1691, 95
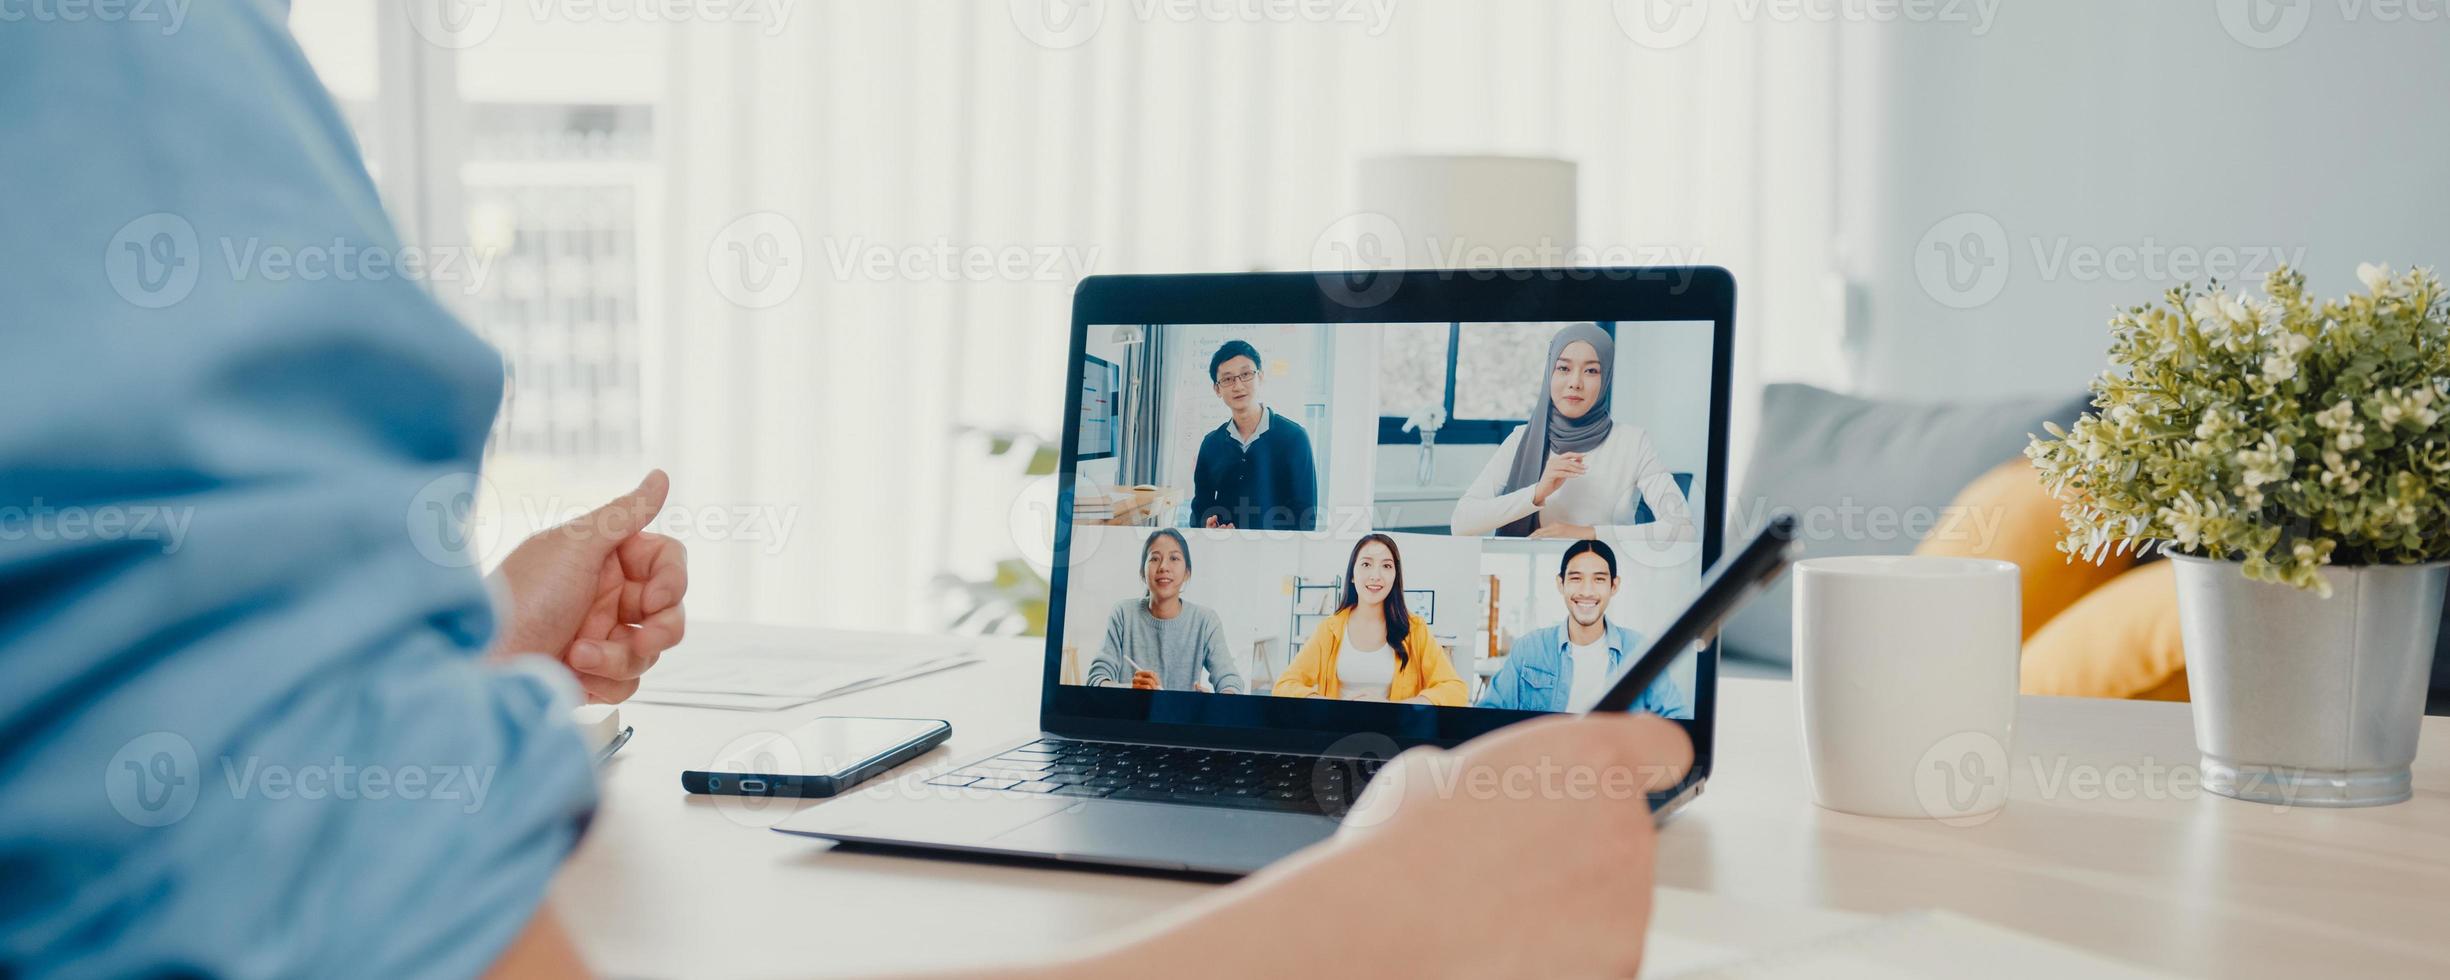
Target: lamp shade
1471, 212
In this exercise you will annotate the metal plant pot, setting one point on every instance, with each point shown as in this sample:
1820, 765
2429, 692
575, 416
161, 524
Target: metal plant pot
2306, 701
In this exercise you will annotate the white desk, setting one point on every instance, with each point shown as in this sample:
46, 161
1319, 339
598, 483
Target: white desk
672, 885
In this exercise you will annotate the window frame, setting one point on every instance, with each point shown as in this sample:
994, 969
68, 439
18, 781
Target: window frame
417, 111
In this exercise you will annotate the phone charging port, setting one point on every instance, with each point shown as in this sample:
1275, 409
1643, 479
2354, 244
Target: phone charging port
752, 785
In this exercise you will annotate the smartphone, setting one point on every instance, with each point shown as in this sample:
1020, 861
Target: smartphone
825, 757
1727, 587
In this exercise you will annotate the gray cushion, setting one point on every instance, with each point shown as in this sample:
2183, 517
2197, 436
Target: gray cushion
1863, 477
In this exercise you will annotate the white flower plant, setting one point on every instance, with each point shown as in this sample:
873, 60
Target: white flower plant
2281, 432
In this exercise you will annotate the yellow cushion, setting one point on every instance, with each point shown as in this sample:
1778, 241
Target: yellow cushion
2119, 641
2005, 514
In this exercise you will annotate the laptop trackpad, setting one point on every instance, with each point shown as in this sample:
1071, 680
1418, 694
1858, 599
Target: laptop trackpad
1160, 836
885, 817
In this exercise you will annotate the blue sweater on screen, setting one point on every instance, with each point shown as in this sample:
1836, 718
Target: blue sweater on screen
1272, 486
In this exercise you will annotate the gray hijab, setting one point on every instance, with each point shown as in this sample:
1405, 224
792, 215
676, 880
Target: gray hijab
1550, 432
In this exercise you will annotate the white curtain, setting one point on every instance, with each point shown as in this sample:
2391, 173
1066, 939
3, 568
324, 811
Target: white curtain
918, 129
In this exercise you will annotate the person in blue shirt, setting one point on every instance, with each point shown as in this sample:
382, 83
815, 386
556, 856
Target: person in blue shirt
1255, 472
1565, 667
260, 713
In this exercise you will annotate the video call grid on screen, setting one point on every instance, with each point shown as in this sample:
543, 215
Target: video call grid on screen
1256, 529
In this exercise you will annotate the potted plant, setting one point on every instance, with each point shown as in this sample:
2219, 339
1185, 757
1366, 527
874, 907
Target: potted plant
2293, 457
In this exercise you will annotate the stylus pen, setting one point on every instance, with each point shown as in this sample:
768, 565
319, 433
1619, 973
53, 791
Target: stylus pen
1723, 591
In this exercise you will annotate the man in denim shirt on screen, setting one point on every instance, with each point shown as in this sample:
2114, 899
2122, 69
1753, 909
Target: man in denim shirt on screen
1566, 667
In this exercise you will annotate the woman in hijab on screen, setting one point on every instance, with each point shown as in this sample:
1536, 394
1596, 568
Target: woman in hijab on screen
1573, 470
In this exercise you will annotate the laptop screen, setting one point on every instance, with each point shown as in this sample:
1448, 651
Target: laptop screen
1461, 514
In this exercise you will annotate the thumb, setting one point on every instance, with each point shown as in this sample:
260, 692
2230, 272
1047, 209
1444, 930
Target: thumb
626, 515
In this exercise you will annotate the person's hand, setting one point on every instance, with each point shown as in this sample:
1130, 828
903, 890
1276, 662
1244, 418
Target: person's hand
1544, 827
1568, 532
1561, 467
1144, 680
1200, 687
1214, 524
1562, 850
599, 593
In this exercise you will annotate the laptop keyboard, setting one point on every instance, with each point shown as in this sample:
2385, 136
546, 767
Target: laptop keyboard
1171, 774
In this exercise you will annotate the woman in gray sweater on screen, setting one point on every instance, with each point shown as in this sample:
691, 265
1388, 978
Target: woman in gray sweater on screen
1161, 641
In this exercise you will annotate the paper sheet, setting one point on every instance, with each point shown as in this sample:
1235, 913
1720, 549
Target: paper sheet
1692, 931
716, 699
1930, 943
768, 676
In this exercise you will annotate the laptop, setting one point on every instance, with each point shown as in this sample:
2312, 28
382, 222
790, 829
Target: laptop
1300, 531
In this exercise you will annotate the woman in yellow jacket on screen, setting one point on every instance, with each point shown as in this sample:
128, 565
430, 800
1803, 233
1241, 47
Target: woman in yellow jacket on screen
1374, 649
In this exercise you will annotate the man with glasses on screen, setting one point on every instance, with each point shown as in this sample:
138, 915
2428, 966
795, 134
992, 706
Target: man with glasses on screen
1565, 667
1255, 472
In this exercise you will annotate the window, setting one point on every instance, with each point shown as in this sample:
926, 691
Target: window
340, 41
1413, 361
1485, 375
539, 159
1499, 368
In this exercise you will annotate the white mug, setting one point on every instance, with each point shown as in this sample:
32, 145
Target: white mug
1907, 668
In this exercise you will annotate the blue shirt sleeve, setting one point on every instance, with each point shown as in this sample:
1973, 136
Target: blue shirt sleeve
245, 723
1666, 698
